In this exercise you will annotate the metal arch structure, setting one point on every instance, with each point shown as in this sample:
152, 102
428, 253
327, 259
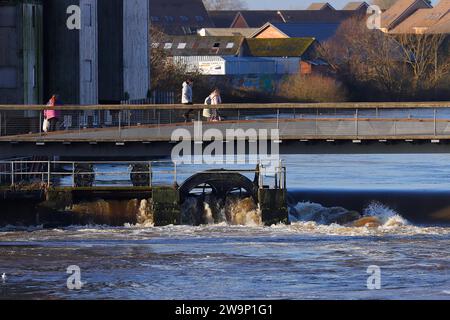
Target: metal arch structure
222, 182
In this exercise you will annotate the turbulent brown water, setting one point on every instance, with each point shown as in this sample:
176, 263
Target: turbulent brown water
226, 253
238, 259
211, 210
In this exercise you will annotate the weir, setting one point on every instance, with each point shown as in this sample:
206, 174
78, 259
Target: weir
62, 193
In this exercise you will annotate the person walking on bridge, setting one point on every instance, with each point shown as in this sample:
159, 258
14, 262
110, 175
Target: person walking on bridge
213, 99
51, 116
186, 97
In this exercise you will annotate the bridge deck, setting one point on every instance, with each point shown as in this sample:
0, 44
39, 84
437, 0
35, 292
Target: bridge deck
289, 129
146, 131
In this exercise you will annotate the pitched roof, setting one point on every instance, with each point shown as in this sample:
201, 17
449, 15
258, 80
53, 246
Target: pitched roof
401, 9
179, 17
443, 26
323, 16
222, 18
320, 6
356, 5
257, 18
200, 46
221, 32
319, 31
290, 47
424, 19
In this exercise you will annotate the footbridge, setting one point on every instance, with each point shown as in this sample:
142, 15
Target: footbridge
142, 131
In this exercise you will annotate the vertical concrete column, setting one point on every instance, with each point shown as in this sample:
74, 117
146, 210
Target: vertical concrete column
273, 205
32, 26
166, 206
136, 73
89, 52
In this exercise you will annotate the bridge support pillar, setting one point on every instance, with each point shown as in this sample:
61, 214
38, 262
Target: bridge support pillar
166, 206
273, 206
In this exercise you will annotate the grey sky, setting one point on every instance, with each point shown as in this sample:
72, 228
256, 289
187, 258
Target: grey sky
293, 4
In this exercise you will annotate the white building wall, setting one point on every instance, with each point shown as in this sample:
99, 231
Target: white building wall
135, 45
215, 65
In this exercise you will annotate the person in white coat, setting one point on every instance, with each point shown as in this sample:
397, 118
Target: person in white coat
213, 99
186, 96
216, 100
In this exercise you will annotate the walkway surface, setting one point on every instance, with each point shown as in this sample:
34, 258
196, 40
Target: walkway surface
289, 129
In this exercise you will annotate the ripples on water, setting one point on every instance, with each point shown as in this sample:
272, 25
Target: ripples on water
304, 260
308, 259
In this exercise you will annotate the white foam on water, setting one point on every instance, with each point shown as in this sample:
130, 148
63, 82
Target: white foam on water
387, 216
145, 215
11, 228
207, 214
243, 216
243, 212
376, 220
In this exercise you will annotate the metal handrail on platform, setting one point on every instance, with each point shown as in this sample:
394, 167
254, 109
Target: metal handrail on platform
22, 172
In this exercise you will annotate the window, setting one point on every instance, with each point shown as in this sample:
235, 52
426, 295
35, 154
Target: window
216, 45
182, 46
34, 77
87, 70
8, 16
199, 18
33, 17
230, 45
154, 18
87, 15
8, 78
189, 30
155, 45
169, 18
168, 46
184, 18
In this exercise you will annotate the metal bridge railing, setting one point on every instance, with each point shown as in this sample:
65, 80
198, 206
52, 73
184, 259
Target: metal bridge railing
85, 174
25, 120
80, 174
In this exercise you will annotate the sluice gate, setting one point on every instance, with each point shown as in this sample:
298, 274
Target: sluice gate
61, 193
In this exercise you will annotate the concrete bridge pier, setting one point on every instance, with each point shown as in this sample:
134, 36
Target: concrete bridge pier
166, 206
273, 206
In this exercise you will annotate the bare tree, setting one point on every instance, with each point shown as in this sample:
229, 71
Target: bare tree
391, 66
225, 4
366, 60
166, 75
311, 88
426, 56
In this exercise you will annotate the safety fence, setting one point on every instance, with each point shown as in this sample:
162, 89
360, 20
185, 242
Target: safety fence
85, 174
